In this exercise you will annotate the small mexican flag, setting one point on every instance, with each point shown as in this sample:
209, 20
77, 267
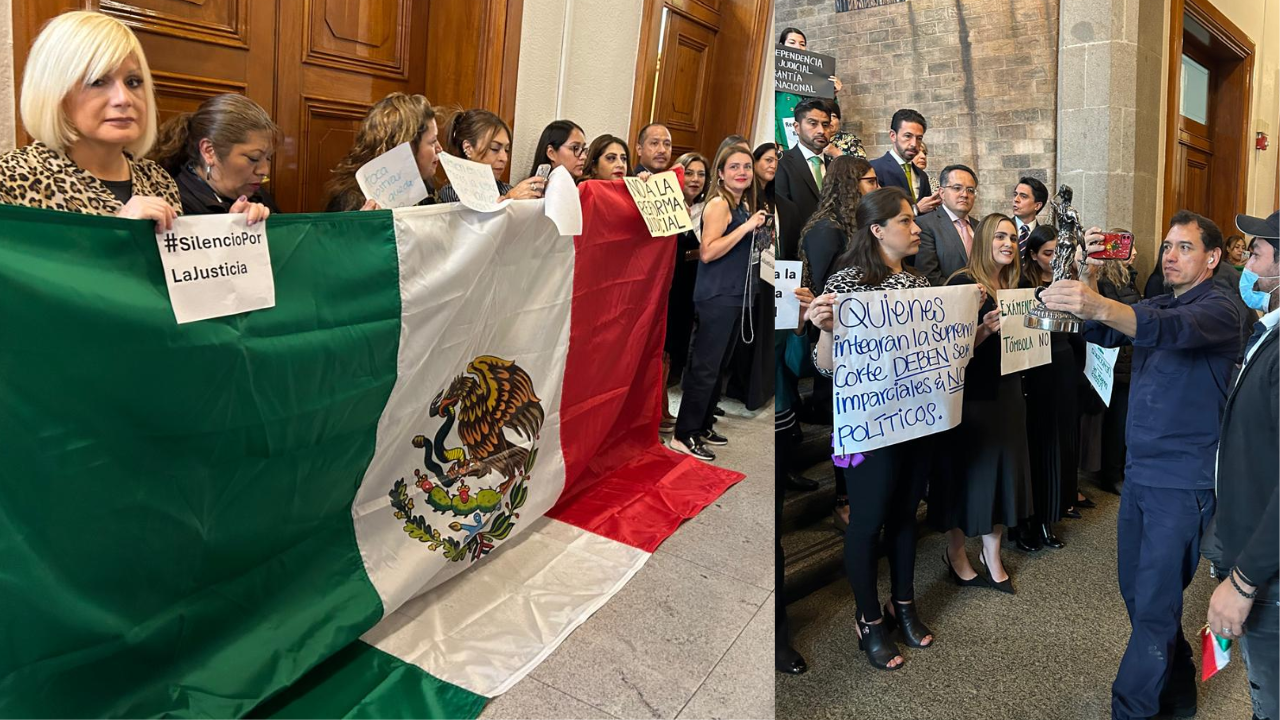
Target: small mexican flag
1214, 651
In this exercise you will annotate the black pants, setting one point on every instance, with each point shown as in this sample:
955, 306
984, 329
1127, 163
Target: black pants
1113, 428
713, 343
884, 493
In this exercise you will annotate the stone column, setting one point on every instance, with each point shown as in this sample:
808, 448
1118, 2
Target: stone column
1109, 63
8, 86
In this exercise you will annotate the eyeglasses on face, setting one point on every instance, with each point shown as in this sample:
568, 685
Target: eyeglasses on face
870, 179
963, 189
578, 149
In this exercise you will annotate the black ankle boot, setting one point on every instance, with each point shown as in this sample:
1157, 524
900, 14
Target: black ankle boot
914, 631
1049, 539
875, 642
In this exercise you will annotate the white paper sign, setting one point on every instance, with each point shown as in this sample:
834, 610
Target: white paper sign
767, 269
661, 203
473, 182
392, 179
1100, 368
216, 265
786, 306
899, 359
789, 129
1021, 347
561, 203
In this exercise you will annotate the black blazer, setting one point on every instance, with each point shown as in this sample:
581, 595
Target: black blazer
890, 174
795, 182
790, 227
941, 249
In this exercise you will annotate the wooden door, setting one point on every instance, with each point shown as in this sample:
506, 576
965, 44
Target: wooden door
1195, 134
682, 84
196, 49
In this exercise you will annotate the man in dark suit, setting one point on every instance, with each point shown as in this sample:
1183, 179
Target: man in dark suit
1246, 606
1029, 197
653, 148
906, 132
801, 169
946, 236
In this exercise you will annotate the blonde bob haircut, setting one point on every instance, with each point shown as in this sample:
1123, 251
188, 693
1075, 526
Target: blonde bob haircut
73, 49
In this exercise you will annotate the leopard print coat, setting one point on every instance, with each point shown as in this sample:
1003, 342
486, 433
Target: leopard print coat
39, 176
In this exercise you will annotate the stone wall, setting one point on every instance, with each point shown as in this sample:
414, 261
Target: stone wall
8, 119
982, 72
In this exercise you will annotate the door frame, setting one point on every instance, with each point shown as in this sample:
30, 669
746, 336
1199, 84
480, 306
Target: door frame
1234, 40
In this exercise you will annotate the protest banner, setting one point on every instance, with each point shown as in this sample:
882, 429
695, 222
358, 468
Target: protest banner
1100, 369
803, 73
786, 306
661, 203
392, 179
473, 182
216, 265
899, 364
1021, 347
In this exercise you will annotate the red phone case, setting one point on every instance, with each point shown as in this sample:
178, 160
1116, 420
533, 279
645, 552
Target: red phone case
1118, 247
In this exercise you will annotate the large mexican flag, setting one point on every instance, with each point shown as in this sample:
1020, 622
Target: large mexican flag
393, 494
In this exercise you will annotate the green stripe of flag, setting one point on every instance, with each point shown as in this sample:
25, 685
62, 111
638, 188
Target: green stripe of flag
175, 506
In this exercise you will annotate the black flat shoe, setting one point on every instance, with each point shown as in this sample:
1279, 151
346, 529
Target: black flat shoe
787, 660
711, 437
1025, 541
1086, 504
1072, 513
692, 446
718, 412
1049, 539
955, 576
1005, 585
874, 641
914, 631
796, 481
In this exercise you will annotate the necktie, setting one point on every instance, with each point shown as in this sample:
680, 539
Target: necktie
1259, 329
1023, 234
911, 182
816, 163
962, 227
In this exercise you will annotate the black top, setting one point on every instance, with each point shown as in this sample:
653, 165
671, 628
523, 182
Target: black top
200, 199
121, 189
724, 281
822, 244
448, 194
982, 376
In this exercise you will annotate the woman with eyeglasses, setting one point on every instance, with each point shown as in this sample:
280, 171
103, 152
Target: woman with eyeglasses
562, 143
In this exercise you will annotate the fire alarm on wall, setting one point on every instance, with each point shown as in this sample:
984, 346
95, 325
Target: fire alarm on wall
1262, 142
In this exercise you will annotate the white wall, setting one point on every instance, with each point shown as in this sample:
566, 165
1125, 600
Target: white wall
577, 62
765, 108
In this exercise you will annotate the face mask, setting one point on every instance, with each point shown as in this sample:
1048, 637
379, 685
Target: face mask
1255, 299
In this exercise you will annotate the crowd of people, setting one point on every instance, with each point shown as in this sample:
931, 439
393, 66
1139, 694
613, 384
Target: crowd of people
1010, 468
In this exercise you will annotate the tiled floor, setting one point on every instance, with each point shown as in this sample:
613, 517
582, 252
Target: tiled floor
691, 636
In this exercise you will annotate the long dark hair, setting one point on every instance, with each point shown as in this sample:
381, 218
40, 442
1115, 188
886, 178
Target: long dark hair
841, 193
597, 149
1041, 236
875, 208
782, 39
764, 191
553, 136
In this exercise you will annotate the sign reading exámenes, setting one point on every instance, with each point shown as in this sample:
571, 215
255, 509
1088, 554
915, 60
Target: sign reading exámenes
803, 73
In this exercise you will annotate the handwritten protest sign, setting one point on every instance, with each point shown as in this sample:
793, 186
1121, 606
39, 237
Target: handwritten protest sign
216, 265
1021, 347
899, 364
802, 72
786, 306
1100, 368
392, 179
473, 182
661, 203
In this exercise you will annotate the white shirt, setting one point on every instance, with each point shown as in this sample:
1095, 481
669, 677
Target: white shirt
1030, 226
808, 155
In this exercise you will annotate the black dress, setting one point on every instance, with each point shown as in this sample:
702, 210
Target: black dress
680, 305
1053, 426
988, 483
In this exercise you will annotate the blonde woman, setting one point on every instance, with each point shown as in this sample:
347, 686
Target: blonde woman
988, 487
220, 155
89, 103
394, 120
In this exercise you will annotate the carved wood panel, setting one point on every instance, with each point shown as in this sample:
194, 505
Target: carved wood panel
367, 36
178, 93
329, 130
216, 21
681, 90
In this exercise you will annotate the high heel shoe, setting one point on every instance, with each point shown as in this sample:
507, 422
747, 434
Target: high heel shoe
914, 631
1005, 585
874, 641
1048, 539
955, 576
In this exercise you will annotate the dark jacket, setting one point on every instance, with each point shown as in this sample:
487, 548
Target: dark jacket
890, 174
941, 249
822, 245
1184, 354
789, 226
1227, 280
1247, 524
794, 181
200, 199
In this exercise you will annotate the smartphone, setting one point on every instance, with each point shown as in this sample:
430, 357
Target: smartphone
1118, 246
544, 171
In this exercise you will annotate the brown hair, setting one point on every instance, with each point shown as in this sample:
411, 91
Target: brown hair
716, 189
475, 127
597, 149
394, 120
982, 267
688, 159
840, 194
224, 120
877, 207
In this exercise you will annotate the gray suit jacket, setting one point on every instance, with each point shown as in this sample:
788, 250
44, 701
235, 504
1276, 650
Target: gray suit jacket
941, 249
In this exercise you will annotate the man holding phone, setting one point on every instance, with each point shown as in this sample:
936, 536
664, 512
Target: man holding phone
1185, 346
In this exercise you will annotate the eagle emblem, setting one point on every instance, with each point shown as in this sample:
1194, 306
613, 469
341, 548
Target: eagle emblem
497, 417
